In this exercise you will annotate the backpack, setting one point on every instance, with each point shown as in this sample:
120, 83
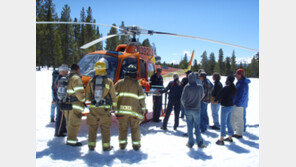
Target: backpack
62, 89
98, 86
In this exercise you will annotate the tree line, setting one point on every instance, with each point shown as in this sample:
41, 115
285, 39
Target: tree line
58, 44
225, 66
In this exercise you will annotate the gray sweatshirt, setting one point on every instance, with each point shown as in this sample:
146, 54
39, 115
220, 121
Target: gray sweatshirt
192, 94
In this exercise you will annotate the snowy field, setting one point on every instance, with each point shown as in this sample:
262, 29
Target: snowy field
159, 148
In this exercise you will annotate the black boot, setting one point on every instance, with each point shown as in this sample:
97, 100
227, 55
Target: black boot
136, 147
52, 120
107, 148
237, 136
74, 145
122, 146
220, 142
91, 148
163, 128
60, 135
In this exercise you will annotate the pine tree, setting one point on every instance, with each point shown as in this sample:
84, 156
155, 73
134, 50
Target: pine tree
90, 31
112, 43
233, 62
49, 33
184, 62
82, 28
228, 66
57, 50
220, 67
40, 33
205, 62
67, 36
194, 68
212, 63
146, 43
123, 39
99, 45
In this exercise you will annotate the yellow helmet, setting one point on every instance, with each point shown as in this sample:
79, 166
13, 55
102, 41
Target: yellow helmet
101, 66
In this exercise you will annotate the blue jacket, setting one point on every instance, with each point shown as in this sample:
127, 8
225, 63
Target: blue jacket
175, 91
241, 98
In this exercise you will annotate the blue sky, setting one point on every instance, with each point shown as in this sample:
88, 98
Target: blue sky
232, 21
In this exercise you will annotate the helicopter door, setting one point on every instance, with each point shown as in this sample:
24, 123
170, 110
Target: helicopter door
150, 68
143, 69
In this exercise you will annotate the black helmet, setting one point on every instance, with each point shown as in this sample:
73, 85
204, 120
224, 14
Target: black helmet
131, 71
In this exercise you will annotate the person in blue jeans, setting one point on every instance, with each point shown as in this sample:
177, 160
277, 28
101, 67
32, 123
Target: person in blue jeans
207, 87
191, 100
184, 82
215, 105
226, 97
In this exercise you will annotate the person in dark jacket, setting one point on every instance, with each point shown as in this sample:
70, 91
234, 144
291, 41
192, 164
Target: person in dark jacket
191, 100
156, 81
225, 97
174, 101
183, 84
240, 103
207, 86
60, 124
215, 105
53, 106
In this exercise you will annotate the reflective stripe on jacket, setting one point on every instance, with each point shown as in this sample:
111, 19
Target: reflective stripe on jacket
131, 98
75, 88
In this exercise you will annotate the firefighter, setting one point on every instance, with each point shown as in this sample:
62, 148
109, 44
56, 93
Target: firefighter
100, 91
131, 106
156, 81
73, 114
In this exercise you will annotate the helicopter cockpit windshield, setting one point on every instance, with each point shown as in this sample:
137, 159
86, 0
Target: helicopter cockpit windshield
88, 62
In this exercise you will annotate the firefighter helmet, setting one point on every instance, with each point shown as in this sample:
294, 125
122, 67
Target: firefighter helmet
101, 66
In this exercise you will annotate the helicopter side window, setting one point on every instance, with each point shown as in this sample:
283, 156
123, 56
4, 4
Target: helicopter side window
150, 69
125, 63
143, 68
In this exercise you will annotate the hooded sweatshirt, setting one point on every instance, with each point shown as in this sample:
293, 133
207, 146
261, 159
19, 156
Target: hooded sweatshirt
241, 98
192, 94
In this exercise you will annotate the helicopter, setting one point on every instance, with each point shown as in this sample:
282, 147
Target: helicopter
144, 58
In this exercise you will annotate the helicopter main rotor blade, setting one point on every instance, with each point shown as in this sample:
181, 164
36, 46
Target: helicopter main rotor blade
100, 40
203, 39
64, 22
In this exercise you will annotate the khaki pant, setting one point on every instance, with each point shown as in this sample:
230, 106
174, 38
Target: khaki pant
95, 117
238, 120
134, 123
73, 122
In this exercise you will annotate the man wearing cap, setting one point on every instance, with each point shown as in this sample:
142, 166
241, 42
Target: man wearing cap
60, 125
156, 81
240, 103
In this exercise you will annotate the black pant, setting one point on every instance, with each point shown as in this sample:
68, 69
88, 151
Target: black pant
157, 103
60, 124
176, 104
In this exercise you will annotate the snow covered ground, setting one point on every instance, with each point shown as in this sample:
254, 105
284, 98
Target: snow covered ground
159, 148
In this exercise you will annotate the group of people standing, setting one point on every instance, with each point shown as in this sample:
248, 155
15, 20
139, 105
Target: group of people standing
192, 95
126, 99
